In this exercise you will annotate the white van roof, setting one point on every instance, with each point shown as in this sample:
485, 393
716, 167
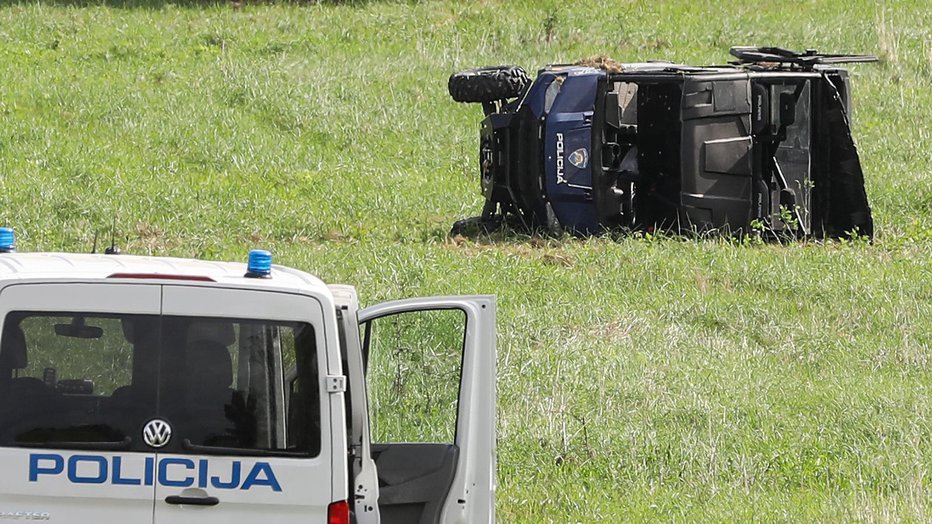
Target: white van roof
83, 267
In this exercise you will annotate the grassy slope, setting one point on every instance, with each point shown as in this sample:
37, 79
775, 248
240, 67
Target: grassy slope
646, 379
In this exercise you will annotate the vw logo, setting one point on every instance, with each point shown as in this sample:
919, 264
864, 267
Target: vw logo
157, 433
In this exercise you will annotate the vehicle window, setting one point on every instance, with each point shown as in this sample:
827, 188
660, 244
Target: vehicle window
243, 385
414, 362
69, 378
92, 381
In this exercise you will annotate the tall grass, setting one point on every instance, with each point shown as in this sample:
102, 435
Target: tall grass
640, 378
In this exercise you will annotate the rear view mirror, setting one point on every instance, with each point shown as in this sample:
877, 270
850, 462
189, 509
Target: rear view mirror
77, 329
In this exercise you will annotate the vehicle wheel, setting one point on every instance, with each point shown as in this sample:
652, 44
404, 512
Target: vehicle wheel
476, 226
488, 84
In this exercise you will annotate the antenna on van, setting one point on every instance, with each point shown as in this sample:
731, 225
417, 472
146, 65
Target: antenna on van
94, 247
113, 249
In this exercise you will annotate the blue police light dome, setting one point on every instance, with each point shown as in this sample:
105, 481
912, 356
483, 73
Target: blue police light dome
7, 240
260, 264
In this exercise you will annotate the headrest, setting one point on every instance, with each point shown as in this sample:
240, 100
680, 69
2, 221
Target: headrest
217, 331
13, 347
209, 365
138, 329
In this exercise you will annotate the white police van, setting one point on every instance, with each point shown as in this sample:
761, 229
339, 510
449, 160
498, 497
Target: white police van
142, 389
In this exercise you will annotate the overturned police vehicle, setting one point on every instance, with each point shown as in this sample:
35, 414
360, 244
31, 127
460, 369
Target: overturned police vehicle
761, 145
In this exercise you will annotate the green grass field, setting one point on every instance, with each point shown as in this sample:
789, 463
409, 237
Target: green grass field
639, 379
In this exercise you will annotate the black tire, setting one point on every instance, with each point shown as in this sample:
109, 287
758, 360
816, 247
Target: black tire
488, 84
476, 226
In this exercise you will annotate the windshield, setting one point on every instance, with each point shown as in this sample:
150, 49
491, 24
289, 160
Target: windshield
92, 381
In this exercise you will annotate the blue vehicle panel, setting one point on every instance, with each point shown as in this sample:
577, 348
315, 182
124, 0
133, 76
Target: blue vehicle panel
568, 150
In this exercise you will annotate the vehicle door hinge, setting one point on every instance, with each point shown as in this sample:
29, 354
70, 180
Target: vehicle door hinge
336, 383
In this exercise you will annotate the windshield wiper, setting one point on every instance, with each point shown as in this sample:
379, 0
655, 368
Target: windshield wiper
223, 450
104, 445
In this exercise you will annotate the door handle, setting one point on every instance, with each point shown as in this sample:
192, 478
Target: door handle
194, 501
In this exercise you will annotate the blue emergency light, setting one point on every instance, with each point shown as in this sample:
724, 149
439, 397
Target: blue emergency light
259, 264
7, 240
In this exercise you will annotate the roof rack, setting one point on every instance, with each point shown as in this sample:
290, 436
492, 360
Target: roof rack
807, 59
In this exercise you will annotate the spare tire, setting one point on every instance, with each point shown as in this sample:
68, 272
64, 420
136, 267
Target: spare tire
488, 84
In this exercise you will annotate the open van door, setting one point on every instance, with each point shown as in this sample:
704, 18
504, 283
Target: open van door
430, 377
